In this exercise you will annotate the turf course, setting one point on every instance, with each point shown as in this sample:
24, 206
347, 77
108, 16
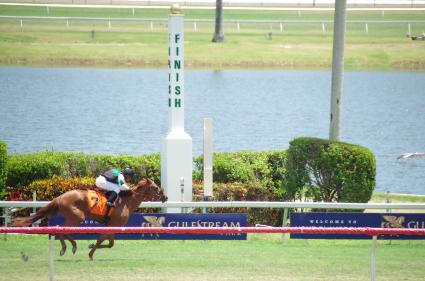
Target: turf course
135, 44
262, 257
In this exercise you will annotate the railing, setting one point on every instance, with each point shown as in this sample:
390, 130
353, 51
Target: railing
195, 25
244, 204
232, 3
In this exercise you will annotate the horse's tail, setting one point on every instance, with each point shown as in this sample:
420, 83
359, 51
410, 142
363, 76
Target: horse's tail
49, 210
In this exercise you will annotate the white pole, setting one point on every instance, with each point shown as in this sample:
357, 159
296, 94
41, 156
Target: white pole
22, 23
366, 28
194, 26
67, 23
133, 11
323, 28
151, 26
51, 258
373, 259
176, 146
408, 29
238, 27
109, 24
208, 158
281, 27
337, 68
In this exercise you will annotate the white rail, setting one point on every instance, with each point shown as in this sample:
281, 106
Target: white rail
244, 204
210, 20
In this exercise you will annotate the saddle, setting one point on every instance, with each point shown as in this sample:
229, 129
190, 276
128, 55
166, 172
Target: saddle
97, 204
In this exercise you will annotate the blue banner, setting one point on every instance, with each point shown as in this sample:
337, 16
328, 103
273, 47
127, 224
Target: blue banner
169, 220
385, 220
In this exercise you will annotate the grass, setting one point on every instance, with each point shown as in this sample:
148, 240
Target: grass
302, 46
261, 257
381, 197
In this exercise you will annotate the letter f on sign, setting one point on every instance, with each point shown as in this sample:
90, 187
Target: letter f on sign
177, 38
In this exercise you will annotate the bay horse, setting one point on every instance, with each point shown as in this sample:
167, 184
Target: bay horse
74, 206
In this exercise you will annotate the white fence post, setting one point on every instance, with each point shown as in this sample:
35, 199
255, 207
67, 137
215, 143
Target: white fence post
373, 259
51, 258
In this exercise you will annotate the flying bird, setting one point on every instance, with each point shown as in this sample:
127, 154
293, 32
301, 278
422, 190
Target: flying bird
411, 154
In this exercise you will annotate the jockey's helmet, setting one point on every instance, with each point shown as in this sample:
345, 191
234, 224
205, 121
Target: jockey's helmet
128, 172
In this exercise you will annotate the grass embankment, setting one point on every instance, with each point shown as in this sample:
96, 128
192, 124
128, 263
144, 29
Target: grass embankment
306, 46
262, 257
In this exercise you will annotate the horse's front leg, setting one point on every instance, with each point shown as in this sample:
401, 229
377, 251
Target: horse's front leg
99, 245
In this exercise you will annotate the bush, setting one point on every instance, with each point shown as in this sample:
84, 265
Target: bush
49, 189
266, 168
23, 169
329, 171
243, 192
3, 170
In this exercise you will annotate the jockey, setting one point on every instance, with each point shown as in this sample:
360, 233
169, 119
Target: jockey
114, 181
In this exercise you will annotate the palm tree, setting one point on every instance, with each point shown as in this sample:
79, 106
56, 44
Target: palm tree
218, 34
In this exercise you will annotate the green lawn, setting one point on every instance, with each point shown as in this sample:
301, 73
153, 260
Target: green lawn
262, 257
302, 46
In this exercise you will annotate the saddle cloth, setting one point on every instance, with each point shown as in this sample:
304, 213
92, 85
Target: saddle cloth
97, 203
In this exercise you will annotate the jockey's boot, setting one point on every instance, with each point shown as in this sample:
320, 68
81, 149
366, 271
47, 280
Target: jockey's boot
111, 198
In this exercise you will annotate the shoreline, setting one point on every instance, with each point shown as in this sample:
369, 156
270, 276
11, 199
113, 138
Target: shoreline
194, 65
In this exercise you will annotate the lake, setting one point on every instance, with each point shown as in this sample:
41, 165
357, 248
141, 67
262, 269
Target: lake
124, 111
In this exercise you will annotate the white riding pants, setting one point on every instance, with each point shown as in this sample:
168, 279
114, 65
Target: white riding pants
102, 183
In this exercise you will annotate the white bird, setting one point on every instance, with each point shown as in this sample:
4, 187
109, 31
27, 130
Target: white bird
411, 154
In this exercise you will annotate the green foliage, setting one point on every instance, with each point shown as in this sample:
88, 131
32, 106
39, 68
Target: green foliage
3, 169
26, 168
243, 192
329, 171
48, 189
265, 167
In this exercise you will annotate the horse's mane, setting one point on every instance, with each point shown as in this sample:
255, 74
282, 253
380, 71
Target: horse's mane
126, 193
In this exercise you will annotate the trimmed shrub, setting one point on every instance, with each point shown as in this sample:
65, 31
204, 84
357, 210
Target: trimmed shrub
329, 171
49, 189
265, 167
23, 169
3, 169
243, 192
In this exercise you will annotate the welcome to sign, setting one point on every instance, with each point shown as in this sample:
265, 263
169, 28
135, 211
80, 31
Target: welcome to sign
378, 220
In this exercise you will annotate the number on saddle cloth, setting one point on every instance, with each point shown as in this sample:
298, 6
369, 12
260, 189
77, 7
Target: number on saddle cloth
97, 203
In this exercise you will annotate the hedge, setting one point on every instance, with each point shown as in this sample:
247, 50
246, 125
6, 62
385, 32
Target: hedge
23, 169
329, 171
264, 167
3, 170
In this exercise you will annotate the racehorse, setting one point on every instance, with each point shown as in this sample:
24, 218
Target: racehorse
74, 205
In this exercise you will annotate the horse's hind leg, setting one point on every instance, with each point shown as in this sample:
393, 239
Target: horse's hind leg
73, 219
63, 244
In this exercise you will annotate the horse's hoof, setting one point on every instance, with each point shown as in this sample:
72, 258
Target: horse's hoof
62, 252
91, 257
91, 246
74, 249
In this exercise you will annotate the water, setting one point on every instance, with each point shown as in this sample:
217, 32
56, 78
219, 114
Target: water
124, 111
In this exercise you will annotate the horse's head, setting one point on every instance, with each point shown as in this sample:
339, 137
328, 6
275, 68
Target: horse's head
150, 191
